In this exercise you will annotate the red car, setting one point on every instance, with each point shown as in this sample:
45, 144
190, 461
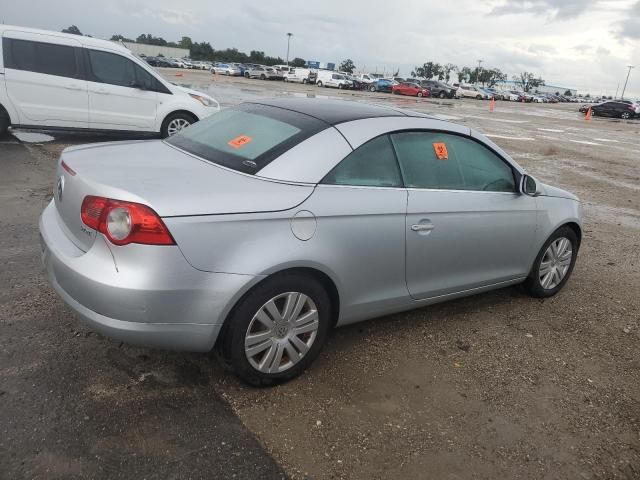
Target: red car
411, 89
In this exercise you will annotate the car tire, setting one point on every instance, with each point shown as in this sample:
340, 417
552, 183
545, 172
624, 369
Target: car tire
246, 75
263, 77
260, 370
478, 97
419, 94
319, 83
625, 115
534, 284
442, 95
226, 73
372, 88
304, 81
284, 79
173, 121
5, 121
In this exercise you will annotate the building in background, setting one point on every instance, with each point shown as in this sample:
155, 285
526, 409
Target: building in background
548, 88
156, 50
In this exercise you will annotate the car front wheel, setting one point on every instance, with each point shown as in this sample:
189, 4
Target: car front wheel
553, 265
176, 122
277, 330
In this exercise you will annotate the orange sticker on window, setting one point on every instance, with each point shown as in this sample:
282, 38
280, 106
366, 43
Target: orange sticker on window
441, 151
240, 141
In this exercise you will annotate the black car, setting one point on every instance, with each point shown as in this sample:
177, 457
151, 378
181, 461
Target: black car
438, 89
157, 62
616, 108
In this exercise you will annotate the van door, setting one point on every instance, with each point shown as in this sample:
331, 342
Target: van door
44, 80
122, 95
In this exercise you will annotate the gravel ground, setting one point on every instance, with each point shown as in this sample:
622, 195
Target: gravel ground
498, 385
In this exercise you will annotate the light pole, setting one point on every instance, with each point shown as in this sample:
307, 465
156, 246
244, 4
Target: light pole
625, 82
479, 68
289, 35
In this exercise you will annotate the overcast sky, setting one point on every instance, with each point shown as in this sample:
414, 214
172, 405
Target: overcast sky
584, 44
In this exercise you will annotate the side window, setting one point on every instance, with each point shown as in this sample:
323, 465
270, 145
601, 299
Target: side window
371, 165
463, 164
111, 68
39, 57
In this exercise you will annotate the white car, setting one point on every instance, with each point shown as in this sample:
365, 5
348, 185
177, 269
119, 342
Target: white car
471, 91
302, 75
198, 65
226, 69
51, 80
327, 78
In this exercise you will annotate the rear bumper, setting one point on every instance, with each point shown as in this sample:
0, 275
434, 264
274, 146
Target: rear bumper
138, 294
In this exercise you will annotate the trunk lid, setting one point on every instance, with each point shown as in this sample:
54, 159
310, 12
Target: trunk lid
171, 182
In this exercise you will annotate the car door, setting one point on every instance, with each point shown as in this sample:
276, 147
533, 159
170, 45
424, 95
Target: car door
122, 95
45, 81
360, 208
466, 226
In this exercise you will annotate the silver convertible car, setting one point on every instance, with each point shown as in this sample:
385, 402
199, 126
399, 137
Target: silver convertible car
259, 229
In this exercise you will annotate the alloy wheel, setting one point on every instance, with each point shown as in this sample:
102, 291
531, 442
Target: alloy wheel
176, 125
555, 263
281, 332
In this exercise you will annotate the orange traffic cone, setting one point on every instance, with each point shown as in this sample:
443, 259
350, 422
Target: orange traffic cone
178, 74
587, 117
492, 104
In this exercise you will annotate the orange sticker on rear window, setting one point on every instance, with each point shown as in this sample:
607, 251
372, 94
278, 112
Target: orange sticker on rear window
441, 151
240, 141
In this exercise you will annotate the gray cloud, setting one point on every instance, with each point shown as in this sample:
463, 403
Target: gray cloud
630, 26
555, 9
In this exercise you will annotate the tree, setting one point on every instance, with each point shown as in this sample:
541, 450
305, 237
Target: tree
464, 74
297, 62
347, 66
447, 69
568, 93
491, 76
72, 29
151, 40
201, 51
528, 80
185, 42
429, 70
116, 37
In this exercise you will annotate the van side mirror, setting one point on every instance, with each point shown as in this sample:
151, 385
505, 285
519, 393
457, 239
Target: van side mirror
529, 186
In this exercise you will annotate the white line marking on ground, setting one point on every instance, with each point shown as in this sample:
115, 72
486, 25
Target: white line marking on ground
606, 140
495, 119
584, 142
554, 130
509, 138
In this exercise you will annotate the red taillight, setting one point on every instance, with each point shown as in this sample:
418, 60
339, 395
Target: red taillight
124, 222
67, 168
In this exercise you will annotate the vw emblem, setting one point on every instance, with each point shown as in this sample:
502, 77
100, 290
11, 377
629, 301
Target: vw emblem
60, 188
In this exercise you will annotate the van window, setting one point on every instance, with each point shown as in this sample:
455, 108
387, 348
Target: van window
111, 68
40, 57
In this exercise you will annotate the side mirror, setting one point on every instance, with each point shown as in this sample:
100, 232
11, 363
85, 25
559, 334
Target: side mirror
529, 186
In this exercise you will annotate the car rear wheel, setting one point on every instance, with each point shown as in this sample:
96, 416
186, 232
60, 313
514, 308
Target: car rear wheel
277, 330
478, 97
4, 122
553, 265
419, 94
625, 115
176, 122
263, 77
319, 83
372, 88
442, 95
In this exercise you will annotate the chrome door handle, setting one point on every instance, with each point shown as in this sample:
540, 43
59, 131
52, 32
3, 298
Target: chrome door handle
422, 227
102, 92
73, 87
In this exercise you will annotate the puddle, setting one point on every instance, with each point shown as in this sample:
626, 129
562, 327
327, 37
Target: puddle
32, 137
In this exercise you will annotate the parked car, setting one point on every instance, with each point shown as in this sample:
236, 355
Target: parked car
381, 85
256, 71
225, 69
274, 74
53, 80
411, 89
327, 78
439, 89
471, 91
301, 75
176, 63
613, 108
238, 233
200, 65
187, 63
365, 78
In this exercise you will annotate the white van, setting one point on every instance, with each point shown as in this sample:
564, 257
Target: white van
51, 80
328, 78
302, 75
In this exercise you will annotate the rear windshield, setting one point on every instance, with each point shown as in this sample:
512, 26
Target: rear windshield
247, 137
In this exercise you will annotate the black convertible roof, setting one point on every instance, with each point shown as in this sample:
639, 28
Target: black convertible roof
333, 111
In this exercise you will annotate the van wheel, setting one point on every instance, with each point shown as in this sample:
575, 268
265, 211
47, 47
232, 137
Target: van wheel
304, 81
319, 83
176, 122
277, 330
4, 122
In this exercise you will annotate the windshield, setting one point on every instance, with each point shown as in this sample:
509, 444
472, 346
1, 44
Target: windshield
248, 137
